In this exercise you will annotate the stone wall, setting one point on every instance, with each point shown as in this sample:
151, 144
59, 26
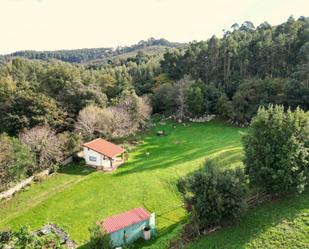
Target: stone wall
203, 119
8, 193
19, 186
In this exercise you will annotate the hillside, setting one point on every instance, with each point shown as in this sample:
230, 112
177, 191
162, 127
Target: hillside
88, 55
277, 224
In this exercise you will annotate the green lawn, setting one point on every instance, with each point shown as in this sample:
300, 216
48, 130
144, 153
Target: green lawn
77, 197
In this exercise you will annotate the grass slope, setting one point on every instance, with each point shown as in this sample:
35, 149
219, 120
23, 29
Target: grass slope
77, 197
280, 224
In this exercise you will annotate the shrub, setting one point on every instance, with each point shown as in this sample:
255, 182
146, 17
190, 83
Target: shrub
99, 239
23, 238
214, 195
195, 100
5, 237
71, 143
277, 150
163, 99
16, 161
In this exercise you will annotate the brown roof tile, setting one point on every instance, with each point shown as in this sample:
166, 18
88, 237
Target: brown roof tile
104, 147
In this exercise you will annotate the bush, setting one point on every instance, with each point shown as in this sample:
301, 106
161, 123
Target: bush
213, 195
277, 150
195, 99
164, 99
99, 239
23, 238
5, 237
71, 143
16, 161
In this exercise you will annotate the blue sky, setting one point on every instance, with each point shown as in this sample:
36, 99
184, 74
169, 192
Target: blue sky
70, 24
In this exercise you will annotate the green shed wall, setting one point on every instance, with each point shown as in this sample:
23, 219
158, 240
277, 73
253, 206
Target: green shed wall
133, 232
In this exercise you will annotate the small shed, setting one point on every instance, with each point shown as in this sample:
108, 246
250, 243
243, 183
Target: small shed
129, 226
103, 155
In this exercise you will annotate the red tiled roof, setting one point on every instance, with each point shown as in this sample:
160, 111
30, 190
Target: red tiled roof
123, 220
104, 147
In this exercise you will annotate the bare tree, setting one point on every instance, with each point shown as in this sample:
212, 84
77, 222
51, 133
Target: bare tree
130, 113
45, 144
138, 108
89, 121
121, 123
144, 110
181, 88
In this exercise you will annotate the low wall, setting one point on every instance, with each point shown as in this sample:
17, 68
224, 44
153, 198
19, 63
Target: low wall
67, 161
19, 186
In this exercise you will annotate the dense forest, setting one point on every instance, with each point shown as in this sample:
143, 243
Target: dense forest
248, 67
229, 77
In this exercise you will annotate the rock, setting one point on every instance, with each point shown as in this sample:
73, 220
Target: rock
161, 133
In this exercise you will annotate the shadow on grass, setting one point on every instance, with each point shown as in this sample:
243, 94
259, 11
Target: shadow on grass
228, 154
182, 145
258, 220
76, 169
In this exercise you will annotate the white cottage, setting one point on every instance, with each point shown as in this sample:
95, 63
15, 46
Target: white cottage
103, 155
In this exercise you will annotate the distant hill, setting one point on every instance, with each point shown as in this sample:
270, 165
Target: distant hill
98, 55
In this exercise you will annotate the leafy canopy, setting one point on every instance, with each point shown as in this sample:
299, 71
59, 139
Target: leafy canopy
277, 149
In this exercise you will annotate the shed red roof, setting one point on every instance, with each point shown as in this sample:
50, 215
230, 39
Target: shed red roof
125, 219
104, 147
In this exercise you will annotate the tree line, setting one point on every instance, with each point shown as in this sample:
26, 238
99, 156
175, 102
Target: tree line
91, 54
248, 67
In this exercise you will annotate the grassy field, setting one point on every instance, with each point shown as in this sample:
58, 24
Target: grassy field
77, 197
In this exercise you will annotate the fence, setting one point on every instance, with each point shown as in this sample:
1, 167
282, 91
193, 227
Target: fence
258, 198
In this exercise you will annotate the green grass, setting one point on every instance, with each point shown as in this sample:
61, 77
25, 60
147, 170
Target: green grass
77, 197
279, 224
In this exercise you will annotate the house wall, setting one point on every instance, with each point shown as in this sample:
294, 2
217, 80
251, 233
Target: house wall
106, 163
90, 153
101, 159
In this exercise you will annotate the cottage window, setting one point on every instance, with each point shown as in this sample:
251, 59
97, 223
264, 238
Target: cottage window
92, 159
